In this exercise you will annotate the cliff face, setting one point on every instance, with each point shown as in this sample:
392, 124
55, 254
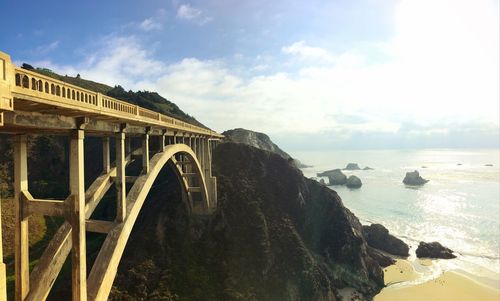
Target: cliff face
275, 236
260, 141
255, 139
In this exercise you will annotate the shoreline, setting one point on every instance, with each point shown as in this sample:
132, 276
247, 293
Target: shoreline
454, 285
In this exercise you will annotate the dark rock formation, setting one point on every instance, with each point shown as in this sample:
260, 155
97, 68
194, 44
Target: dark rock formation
260, 141
352, 166
367, 168
414, 178
276, 235
489, 165
353, 182
377, 236
383, 260
322, 181
434, 250
335, 177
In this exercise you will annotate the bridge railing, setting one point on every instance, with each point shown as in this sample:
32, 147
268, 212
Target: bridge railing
40, 86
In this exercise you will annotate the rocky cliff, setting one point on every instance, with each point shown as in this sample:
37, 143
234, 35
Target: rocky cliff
275, 236
260, 141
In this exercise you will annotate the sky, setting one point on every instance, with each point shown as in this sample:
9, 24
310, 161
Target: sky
314, 75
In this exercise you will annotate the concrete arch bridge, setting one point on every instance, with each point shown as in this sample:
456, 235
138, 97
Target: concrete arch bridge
31, 103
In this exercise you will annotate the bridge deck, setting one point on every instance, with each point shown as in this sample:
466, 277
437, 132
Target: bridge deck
32, 94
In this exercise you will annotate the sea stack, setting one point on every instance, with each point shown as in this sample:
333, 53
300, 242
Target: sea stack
353, 182
414, 178
352, 166
378, 237
335, 176
434, 250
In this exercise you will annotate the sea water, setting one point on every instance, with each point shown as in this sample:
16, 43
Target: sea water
459, 206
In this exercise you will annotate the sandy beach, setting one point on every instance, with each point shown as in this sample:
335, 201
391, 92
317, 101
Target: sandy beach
451, 285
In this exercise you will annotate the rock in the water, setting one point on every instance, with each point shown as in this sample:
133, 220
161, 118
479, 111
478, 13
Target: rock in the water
353, 182
377, 236
414, 178
336, 177
434, 250
488, 165
352, 166
367, 168
322, 181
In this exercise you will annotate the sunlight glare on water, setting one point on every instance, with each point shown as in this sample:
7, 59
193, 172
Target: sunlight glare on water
459, 207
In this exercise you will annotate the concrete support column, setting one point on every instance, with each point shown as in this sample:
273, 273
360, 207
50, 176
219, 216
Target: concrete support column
145, 153
76, 217
120, 183
198, 148
202, 154
181, 156
163, 142
207, 158
21, 228
195, 146
105, 155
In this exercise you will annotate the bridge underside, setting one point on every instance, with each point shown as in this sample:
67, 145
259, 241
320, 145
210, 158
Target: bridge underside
31, 103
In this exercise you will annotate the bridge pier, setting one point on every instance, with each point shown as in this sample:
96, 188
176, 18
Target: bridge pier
21, 231
77, 218
120, 182
145, 153
105, 155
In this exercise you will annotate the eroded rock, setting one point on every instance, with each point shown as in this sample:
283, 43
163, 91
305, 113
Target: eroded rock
434, 250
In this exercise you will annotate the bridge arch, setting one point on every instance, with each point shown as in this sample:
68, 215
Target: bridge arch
105, 267
35, 103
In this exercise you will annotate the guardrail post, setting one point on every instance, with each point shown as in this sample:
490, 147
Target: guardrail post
99, 100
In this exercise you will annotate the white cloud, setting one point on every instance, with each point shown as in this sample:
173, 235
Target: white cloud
442, 72
46, 49
190, 13
149, 24
120, 60
304, 51
155, 22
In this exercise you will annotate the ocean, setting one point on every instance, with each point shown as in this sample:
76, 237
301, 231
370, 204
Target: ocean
459, 207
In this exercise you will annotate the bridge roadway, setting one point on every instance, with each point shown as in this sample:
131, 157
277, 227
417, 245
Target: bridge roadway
31, 103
